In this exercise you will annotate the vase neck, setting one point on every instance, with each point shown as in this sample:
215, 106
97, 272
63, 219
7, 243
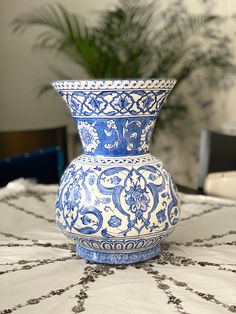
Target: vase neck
115, 118
114, 136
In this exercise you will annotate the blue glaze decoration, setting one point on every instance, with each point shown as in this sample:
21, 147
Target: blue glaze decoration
117, 136
116, 201
117, 258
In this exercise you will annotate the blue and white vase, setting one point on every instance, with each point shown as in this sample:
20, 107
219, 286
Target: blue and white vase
116, 201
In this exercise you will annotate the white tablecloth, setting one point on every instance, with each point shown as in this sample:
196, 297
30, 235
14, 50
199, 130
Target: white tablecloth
39, 272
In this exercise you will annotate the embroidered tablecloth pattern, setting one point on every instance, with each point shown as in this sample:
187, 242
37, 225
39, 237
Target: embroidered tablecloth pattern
39, 272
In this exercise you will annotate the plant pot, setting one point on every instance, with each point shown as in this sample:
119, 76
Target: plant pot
116, 201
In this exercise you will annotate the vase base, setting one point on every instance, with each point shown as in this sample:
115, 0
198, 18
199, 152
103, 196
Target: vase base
117, 258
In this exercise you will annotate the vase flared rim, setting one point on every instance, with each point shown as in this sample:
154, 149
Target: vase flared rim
126, 84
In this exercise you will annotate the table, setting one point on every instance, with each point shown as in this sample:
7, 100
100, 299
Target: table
39, 272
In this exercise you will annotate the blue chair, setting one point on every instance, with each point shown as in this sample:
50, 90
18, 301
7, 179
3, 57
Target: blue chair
37, 154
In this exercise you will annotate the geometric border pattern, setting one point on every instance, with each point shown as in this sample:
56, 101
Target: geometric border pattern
103, 160
117, 258
113, 245
147, 84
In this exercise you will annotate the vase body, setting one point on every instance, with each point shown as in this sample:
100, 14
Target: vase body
116, 201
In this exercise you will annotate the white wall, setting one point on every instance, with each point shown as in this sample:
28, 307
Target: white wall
21, 69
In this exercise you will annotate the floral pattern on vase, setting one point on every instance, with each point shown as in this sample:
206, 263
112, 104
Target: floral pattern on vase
146, 135
116, 199
116, 137
89, 136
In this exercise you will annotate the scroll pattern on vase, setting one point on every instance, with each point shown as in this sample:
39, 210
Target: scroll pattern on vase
125, 200
110, 103
116, 137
